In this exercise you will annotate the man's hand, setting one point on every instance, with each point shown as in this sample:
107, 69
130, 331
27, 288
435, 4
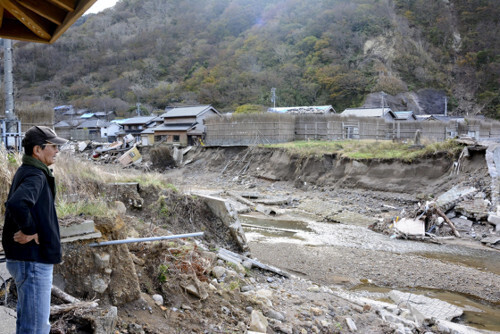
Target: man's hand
22, 238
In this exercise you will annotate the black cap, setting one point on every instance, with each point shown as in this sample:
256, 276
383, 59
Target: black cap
39, 135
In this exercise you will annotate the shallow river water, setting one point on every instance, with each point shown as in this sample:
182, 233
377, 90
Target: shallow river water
306, 232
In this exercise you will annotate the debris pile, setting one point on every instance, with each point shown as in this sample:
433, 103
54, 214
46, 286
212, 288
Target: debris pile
461, 212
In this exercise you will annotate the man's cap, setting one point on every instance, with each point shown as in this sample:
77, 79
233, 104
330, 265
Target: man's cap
39, 135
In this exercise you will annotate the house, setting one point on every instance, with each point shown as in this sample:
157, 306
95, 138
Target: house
111, 131
382, 112
184, 125
304, 110
405, 116
105, 115
63, 128
93, 126
136, 125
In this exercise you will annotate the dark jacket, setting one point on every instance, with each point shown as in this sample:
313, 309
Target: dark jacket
30, 208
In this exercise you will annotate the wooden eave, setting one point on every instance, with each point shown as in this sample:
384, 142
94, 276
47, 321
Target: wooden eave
40, 21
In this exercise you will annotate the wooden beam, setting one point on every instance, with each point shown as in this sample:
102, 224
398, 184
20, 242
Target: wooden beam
45, 9
34, 23
68, 5
13, 29
81, 8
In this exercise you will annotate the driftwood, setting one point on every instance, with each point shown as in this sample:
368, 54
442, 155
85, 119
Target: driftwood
74, 303
447, 220
229, 256
241, 199
64, 308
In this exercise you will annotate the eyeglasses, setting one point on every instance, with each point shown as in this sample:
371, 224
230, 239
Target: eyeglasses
53, 145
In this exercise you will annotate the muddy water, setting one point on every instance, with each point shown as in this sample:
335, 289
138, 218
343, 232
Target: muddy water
305, 232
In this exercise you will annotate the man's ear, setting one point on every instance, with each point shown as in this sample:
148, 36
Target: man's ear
36, 150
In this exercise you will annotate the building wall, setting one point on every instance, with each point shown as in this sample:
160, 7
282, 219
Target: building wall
182, 135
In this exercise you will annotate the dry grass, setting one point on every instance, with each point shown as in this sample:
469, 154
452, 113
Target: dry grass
368, 149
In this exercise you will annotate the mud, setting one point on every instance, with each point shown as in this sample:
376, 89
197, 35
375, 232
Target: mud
377, 189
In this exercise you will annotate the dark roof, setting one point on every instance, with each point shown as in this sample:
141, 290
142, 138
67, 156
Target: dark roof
192, 111
138, 120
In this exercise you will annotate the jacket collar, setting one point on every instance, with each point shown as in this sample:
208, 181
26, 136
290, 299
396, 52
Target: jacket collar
30, 161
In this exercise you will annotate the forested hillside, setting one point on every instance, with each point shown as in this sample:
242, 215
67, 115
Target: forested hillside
232, 52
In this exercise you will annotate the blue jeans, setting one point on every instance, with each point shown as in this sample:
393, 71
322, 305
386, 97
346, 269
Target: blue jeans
33, 283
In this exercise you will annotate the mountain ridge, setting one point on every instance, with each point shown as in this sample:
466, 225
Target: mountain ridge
232, 52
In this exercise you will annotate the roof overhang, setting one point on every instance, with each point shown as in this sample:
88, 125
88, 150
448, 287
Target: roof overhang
41, 21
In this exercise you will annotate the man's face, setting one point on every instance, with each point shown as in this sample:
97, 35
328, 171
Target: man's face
47, 155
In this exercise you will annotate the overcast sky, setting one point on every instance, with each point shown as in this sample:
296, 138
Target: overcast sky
100, 5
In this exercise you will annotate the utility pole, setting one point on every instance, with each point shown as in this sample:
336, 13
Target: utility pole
8, 81
273, 97
446, 105
11, 126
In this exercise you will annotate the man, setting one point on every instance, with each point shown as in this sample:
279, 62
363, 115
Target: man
30, 237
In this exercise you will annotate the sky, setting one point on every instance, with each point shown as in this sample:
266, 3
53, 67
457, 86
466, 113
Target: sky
101, 5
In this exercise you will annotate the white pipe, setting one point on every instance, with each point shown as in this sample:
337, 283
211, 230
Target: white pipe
127, 241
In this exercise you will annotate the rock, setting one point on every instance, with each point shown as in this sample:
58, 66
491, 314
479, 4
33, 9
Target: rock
119, 207
281, 328
461, 224
8, 320
313, 288
494, 220
316, 311
491, 240
135, 329
106, 324
194, 291
426, 308
98, 283
246, 288
101, 260
351, 324
158, 299
218, 271
258, 322
275, 315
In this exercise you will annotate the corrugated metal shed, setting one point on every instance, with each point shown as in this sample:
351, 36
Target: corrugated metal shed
304, 110
369, 112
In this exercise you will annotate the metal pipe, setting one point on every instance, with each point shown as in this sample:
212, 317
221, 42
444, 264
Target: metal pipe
127, 241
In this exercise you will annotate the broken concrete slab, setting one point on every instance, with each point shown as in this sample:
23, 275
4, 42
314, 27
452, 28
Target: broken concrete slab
410, 227
491, 240
476, 208
461, 224
425, 308
73, 229
494, 219
226, 212
8, 320
238, 206
448, 199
